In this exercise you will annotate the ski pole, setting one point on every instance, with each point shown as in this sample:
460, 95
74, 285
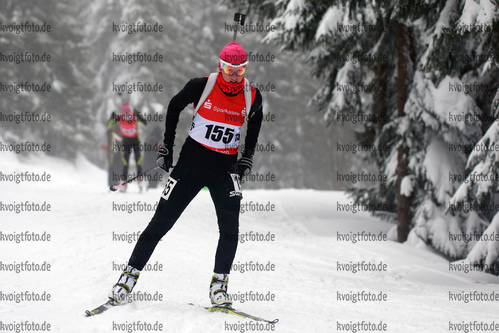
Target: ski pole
238, 18
116, 187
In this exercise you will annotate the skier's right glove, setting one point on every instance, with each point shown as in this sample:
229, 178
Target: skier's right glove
164, 158
244, 165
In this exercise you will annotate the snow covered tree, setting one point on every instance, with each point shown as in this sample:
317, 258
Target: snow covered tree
452, 113
418, 116
477, 197
61, 51
346, 42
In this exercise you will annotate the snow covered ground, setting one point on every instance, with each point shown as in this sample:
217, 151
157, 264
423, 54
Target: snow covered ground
311, 247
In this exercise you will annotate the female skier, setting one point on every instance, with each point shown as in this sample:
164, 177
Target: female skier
208, 158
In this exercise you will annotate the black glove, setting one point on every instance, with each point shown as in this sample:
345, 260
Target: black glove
141, 117
244, 165
164, 158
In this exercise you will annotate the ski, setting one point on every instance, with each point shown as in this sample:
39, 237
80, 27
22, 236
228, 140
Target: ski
228, 309
232, 311
104, 307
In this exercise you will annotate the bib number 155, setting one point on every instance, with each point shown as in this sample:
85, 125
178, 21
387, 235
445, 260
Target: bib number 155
218, 133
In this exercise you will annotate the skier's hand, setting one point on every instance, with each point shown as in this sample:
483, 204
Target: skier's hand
244, 165
164, 158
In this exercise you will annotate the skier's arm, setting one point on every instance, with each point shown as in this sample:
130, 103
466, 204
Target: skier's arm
111, 124
254, 123
140, 117
112, 121
189, 94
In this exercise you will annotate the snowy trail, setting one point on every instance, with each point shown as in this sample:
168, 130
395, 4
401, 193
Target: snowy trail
85, 257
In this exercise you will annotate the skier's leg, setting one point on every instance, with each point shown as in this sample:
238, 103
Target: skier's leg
139, 158
227, 199
127, 150
110, 180
181, 188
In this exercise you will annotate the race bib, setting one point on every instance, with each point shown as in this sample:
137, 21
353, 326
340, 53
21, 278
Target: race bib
170, 184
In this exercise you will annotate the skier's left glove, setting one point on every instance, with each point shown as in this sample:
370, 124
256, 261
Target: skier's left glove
244, 165
164, 158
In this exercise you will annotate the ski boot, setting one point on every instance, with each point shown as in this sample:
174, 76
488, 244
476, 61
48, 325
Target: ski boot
218, 290
124, 286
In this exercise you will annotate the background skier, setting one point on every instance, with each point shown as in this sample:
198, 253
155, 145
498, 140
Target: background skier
128, 121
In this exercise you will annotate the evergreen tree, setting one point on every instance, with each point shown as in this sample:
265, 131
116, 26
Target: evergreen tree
346, 42
418, 115
67, 101
476, 198
453, 115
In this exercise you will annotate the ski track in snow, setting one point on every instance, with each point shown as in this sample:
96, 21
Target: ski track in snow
305, 253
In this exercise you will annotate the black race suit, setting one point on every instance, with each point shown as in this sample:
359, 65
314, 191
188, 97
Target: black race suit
197, 167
